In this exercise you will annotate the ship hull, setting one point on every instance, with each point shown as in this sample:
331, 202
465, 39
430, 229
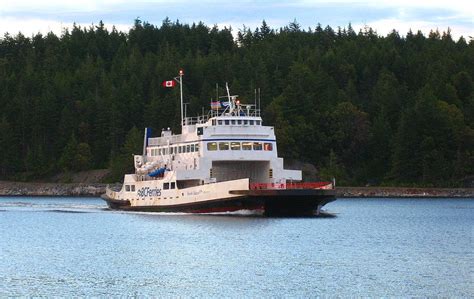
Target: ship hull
266, 202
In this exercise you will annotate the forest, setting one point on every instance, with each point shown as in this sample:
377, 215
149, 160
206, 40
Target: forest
394, 110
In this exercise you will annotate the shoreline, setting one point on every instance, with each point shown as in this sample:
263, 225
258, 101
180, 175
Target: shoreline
403, 192
9, 188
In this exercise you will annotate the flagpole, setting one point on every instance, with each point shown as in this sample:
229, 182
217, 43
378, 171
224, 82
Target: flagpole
181, 93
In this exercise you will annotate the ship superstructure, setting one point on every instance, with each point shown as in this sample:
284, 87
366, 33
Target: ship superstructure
223, 161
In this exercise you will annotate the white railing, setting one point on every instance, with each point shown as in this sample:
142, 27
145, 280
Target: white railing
188, 121
157, 141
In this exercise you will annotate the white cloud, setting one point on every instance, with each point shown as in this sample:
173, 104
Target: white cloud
385, 26
30, 16
33, 26
56, 5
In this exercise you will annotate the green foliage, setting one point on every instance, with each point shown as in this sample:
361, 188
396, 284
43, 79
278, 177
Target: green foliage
361, 107
67, 160
75, 156
334, 169
122, 162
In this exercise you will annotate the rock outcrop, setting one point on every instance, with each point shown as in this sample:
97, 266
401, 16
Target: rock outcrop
403, 192
50, 189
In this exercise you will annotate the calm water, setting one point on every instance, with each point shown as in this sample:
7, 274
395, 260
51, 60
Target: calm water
376, 247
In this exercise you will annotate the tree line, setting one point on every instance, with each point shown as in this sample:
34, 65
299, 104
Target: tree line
367, 109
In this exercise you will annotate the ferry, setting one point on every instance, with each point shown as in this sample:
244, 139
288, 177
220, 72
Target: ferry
223, 161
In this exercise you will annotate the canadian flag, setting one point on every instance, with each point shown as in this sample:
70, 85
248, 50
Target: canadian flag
170, 83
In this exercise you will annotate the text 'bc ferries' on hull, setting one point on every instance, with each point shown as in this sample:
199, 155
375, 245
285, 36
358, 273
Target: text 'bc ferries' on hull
223, 161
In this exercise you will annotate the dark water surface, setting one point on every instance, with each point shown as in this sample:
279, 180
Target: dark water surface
373, 247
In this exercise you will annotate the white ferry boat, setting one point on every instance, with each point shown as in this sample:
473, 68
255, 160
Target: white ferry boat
223, 161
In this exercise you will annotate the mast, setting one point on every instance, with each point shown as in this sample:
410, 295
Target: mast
230, 99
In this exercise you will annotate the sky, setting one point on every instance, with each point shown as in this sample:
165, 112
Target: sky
30, 17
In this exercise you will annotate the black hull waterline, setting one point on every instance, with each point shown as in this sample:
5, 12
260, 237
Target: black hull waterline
294, 202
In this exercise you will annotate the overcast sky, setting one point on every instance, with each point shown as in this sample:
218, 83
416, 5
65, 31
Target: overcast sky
30, 17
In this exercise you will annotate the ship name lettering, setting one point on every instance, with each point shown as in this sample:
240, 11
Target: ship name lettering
147, 191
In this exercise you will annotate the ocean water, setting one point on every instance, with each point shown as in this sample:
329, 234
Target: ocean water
371, 247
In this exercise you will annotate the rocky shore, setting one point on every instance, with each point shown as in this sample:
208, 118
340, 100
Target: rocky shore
404, 192
50, 189
8, 188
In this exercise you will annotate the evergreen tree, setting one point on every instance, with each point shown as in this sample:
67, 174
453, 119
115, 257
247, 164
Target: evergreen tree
385, 109
67, 162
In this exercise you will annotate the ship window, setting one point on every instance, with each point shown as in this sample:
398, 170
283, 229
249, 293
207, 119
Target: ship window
173, 185
183, 148
268, 146
166, 186
235, 146
223, 146
197, 147
232, 122
171, 149
239, 122
251, 122
159, 151
258, 122
127, 188
132, 188
188, 148
192, 147
213, 122
212, 146
200, 131
219, 122
179, 149
257, 146
226, 122
245, 122
246, 146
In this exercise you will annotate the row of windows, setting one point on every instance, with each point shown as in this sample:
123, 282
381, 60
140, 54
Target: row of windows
129, 188
237, 146
166, 186
213, 146
181, 149
234, 122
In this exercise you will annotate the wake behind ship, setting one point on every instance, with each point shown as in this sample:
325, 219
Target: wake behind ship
223, 161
